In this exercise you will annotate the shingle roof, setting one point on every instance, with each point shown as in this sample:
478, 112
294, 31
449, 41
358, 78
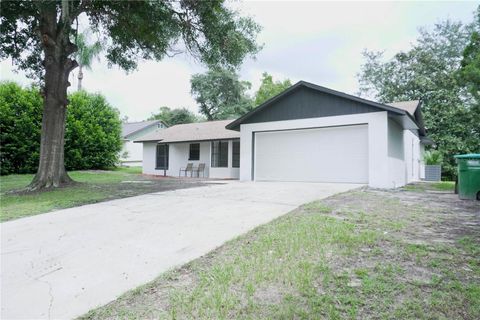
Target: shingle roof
132, 127
409, 106
199, 131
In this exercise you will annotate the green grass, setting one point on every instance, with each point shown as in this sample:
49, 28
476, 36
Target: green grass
18, 181
326, 260
435, 186
444, 185
92, 186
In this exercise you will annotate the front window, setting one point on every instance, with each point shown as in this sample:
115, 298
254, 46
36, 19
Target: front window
162, 157
219, 154
236, 154
194, 153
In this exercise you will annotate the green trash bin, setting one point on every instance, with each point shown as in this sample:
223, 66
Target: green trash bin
468, 176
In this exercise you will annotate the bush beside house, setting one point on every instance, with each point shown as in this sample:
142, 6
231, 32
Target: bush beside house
92, 134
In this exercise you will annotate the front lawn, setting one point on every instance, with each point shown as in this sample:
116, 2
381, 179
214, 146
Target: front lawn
364, 254
93, 186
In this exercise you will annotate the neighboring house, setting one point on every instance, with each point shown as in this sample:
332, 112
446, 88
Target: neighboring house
132, 153
306, 133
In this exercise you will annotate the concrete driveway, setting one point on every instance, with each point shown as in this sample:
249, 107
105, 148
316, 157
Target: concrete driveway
61, 264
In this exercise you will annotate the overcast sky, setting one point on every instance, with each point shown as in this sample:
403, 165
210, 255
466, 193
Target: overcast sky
320, 42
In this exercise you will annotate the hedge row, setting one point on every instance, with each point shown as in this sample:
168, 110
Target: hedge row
92, 135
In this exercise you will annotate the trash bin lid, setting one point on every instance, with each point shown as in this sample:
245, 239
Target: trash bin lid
467, 156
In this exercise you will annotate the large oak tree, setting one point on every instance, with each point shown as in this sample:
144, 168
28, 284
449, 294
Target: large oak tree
37, 36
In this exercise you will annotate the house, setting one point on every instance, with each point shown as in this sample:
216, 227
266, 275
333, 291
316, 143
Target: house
131, 154
166, 151
306, 133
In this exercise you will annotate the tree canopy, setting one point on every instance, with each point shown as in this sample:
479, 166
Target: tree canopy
220, 94
469, 73
269, 88
175, 116
429, 71
129, 30
37, 36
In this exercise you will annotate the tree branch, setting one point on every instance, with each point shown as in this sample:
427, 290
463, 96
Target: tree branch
81, 8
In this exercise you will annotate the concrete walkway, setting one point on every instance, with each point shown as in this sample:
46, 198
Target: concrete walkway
61, 264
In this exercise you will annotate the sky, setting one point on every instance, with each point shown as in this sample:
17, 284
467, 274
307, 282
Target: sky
319, 42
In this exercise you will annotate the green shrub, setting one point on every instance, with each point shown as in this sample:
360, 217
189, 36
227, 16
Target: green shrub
92, 133
432, 157
20, 123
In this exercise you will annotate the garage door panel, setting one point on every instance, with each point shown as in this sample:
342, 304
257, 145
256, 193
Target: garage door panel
338, 154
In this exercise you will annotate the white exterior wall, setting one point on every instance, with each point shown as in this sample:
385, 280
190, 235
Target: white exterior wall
396, 155
378, 166
135, 150
421, 163
135, 153
413, 156
178, 158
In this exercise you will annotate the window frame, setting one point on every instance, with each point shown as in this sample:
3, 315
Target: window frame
165, 156
221, 162
190, 158
235, 155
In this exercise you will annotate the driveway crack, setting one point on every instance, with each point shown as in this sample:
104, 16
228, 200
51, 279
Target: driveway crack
50, 290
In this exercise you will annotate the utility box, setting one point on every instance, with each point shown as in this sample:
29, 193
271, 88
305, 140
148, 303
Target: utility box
468, 176
433, 172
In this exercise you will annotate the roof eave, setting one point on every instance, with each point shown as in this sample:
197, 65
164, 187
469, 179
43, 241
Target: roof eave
185, 141
151, 124
426, 140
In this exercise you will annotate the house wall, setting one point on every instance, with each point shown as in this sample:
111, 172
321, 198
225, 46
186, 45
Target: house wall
396, 155
378, 166
178, 158
413, 156
422, 164
135, 150
134, 153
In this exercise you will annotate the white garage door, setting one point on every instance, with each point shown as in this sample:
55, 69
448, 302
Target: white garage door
335, 154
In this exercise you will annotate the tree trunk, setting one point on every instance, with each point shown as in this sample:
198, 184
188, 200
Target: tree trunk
80, 77
57, 48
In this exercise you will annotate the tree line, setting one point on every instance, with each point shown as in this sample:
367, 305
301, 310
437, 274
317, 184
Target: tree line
443, 69
220, 94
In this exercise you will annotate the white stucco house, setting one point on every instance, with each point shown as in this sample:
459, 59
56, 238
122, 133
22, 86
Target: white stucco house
166, 151
132, 154
306, 133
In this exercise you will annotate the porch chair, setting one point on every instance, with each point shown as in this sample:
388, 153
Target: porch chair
188, 168
200, 168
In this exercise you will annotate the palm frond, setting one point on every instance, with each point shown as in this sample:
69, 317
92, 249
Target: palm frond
86, 53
